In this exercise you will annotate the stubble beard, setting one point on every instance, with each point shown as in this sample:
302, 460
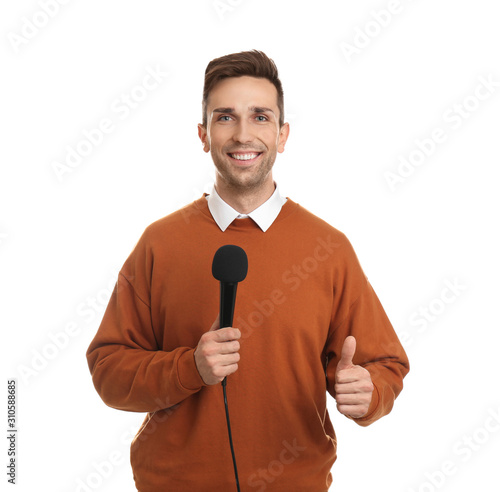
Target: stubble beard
243, 180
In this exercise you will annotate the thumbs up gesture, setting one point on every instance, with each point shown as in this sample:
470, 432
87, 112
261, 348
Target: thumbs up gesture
353, 384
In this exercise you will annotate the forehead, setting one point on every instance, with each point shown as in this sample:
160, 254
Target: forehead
243, 92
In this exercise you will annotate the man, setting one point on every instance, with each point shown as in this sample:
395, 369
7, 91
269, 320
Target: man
306, 321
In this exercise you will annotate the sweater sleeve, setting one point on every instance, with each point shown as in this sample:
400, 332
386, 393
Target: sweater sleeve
378, 349
129, 370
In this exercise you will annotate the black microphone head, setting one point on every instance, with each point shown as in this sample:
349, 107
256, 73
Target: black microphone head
230, 264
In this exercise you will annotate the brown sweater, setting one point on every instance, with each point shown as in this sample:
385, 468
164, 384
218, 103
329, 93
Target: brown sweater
305, 292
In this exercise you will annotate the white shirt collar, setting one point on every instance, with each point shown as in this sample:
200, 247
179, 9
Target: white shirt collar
263, 216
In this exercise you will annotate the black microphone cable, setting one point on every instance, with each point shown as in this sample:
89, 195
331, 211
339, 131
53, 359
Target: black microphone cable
230, 435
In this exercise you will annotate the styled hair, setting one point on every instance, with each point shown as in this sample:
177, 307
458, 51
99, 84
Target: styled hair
252, 63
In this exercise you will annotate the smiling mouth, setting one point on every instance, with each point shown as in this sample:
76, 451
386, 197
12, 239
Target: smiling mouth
244, 156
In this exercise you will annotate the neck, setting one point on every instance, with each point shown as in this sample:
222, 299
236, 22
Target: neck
242, 200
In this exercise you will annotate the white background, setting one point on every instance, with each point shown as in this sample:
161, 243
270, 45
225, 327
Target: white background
353, 115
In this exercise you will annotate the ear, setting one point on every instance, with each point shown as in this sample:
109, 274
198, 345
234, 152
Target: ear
203, 134
283, 137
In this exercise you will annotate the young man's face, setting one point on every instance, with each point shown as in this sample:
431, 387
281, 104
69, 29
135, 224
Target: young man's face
243, 133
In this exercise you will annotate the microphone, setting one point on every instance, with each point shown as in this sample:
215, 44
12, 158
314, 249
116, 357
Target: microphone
230, 266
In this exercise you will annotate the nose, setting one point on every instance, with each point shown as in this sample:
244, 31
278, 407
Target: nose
242, 132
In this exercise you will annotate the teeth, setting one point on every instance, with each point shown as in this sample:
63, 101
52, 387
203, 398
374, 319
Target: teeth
243, 157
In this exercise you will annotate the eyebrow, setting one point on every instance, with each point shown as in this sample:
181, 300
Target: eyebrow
254, 109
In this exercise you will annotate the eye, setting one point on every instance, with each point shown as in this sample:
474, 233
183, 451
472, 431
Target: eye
264, 118
220, 118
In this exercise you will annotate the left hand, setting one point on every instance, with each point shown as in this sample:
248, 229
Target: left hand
353, 384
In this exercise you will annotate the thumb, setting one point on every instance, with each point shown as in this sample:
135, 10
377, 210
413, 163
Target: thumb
348, 351
216, 324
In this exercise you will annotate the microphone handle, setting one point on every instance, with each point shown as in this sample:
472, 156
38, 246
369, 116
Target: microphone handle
227, 301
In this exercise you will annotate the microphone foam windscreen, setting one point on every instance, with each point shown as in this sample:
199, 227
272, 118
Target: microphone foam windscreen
230, 264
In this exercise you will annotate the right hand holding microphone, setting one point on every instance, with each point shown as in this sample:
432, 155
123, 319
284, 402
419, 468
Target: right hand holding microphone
216, 355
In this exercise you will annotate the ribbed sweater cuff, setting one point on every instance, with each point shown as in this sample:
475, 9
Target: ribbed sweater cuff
187, 372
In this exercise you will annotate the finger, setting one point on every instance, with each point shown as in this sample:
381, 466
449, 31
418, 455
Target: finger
229, 359
226, 334
231, 347
365, 388
223, 371
348, 351
230, 369
216, 324
357, 377
348, 388
361, 399
351, 375
354, 411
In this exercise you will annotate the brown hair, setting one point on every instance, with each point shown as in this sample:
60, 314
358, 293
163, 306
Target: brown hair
253, 63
